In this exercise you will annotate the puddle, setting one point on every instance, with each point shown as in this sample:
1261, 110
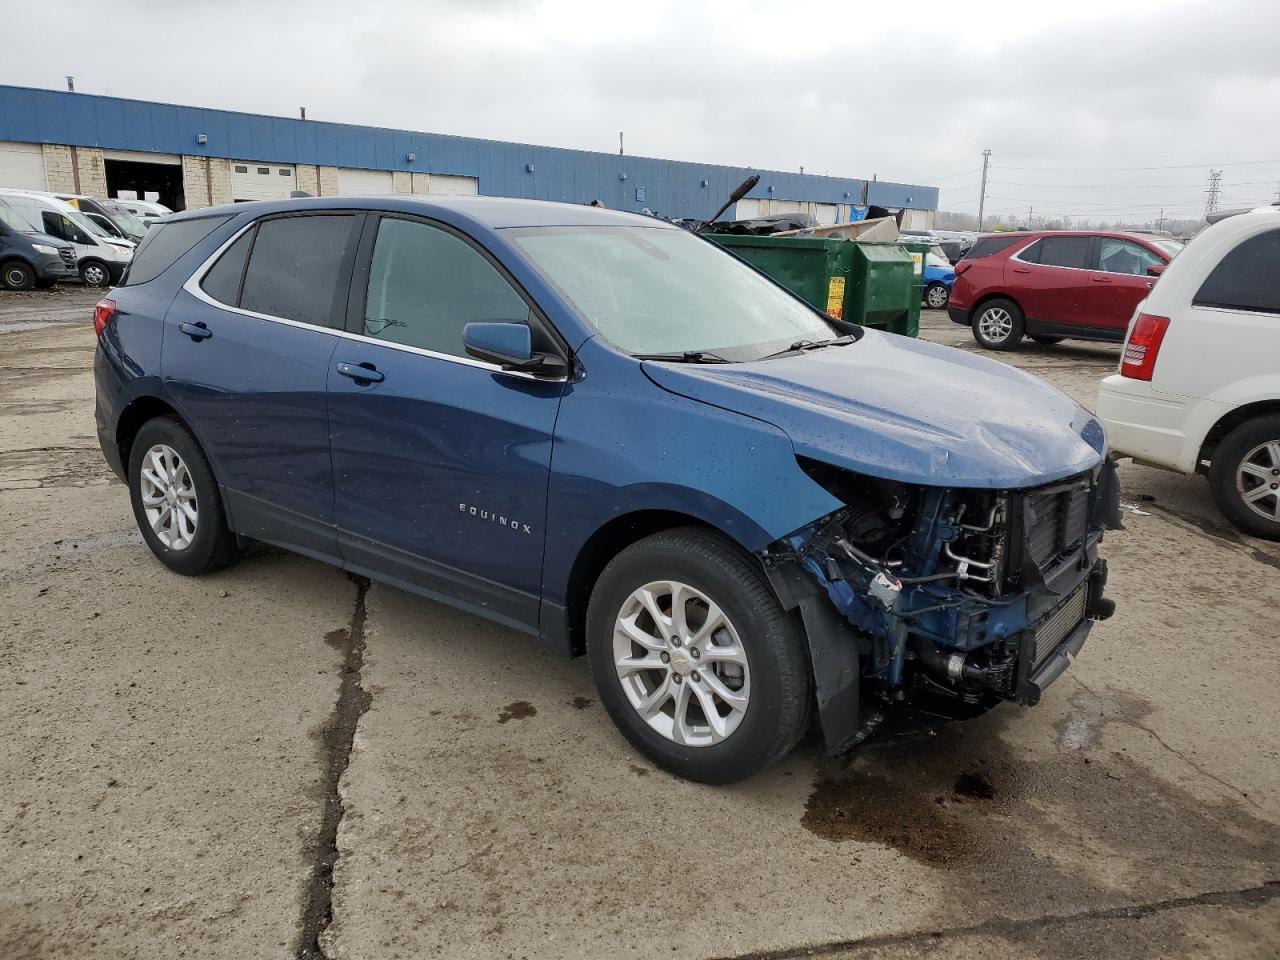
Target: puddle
517, 710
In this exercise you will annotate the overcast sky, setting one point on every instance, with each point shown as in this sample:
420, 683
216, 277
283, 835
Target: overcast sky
1071, 98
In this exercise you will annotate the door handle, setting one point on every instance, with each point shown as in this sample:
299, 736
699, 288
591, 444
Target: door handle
1021, 269
196, 331
361, 371
1100, 279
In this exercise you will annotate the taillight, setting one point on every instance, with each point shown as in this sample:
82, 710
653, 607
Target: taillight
103, 314
1144, 343
962, 266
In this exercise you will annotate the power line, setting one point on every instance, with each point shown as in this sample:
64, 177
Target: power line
1179, 166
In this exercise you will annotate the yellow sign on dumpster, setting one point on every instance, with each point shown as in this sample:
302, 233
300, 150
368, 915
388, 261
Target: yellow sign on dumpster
835, 298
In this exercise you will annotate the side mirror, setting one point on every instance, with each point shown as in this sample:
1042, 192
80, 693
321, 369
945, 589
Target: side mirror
1156, 269
509, 344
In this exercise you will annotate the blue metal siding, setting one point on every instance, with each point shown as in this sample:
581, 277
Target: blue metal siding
671, 187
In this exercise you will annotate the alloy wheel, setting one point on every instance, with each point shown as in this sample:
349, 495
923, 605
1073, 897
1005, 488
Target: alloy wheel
94, 275
936, 297
1258, 480
681, 663
169, 497
995, 324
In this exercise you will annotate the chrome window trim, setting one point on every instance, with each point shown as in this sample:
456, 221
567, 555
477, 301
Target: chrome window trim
192, 286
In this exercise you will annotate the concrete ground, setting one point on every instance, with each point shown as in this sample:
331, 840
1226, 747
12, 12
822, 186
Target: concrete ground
175, 781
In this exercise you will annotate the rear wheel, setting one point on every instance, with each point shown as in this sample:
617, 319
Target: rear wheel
936, 295
1047, 341
95, 274
694, 659
1245, 477
998, 325
17, 275
176, 502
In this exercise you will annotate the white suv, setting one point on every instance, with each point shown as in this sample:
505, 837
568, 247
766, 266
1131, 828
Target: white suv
1199, 383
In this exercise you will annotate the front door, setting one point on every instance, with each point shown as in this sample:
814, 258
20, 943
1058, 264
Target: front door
1120, 283
246, 359
440, 462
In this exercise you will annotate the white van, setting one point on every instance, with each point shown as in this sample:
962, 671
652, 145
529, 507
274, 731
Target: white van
101, 259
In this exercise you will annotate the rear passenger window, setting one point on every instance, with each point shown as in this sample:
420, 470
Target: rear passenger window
294, 268
1060, 252
164, 244
986, 246
1248, 278
426, 284
222, 282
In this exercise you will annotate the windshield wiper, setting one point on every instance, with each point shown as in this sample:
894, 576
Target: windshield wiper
688, 356
802, 345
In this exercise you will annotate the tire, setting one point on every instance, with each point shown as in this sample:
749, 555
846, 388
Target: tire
758, 654
209, 545
94, 273
17, 275
936, 296
1047, 341
998, 316
1247, 460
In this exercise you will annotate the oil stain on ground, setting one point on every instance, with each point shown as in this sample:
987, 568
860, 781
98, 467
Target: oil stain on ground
1000, 819
517, 710
338, 638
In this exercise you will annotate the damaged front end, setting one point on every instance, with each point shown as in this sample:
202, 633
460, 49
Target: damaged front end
949, 600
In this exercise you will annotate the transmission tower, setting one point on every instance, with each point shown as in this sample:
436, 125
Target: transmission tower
1213, 193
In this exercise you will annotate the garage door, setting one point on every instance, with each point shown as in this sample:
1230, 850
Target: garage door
22, 166
364, 183
261, 181
450, 186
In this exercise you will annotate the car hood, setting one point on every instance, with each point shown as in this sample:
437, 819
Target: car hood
908, 410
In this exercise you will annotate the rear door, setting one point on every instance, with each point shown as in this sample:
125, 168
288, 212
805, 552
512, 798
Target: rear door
441, 462
1050, 279
246, 355
1120, 283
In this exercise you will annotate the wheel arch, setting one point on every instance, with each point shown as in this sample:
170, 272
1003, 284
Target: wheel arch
606, 543
986, 298
1228, 422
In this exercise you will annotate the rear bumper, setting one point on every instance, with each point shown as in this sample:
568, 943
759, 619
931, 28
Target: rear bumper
1156, 428
958, 314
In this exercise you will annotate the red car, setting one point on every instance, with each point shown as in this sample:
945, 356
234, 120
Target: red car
1052, 285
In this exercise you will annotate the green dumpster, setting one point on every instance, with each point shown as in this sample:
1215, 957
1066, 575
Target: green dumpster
866, 283
917, 251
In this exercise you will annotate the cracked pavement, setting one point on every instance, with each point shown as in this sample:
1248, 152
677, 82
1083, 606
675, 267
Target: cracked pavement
277, 761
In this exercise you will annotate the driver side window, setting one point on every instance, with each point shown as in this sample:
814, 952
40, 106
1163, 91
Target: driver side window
1121, 256
425, 285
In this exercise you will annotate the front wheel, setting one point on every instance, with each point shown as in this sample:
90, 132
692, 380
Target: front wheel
17, 275
1244, 476
998, 325
936, 295
95, 274
694, 659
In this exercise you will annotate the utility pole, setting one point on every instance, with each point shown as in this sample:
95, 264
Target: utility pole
1214, 192
1160, 222
1030, 211
619, 143
982, 194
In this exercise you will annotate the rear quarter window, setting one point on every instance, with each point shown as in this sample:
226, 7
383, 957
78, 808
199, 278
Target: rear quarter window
164, 244
1247, 278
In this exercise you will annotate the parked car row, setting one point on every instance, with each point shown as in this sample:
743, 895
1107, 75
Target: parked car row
45, 238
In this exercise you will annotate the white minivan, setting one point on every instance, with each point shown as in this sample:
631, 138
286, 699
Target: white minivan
1198, 390
101, 258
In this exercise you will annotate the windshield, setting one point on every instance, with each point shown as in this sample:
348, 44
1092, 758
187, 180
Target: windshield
20, 214
125, 220
653, 290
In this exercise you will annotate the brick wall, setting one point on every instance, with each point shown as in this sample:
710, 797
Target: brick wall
93, 172
328, 182
197, 173
309, 178
57, 168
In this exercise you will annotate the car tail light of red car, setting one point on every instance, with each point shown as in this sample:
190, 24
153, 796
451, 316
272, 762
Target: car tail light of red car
962, 266
103, 314
1140, 352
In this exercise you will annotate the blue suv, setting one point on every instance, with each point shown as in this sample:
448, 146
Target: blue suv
604, 430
